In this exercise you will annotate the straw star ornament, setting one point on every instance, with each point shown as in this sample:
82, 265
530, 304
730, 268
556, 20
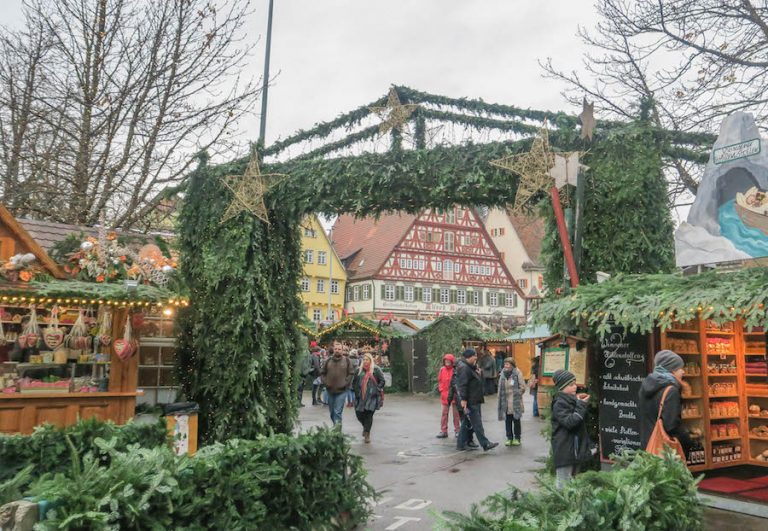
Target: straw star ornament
533, 168
248, 191
395, 114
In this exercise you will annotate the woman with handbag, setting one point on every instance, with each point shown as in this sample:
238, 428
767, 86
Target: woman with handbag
369, 394
661, 400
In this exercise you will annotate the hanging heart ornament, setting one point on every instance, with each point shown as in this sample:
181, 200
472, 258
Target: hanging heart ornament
53, 337
126, 347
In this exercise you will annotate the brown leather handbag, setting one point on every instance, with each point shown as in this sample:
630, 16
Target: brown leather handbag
660, 438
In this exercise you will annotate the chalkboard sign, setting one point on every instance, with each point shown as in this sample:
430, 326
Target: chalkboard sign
621, 371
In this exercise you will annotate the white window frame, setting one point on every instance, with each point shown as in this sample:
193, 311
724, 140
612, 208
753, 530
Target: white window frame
426, 295
409, 263
310, 232
366, 292
322, 258
389, 292
522, 283
476, 297
437, 265
511, 301
356, 293
450, 216
461, 296
317, 315
309, 256
305, 285
335, 287
320, 285
493, 298
445, 296
450, 241
408, 294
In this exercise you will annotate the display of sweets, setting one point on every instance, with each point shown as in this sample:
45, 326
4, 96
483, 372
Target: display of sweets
692, 325
721, 431
760, 431
726, 452
689, 346
755, 346
690, 409
692, 369
697, 455
722, 389
719, 345
723, 409
756, 411
762, 456
724, 327
721, 368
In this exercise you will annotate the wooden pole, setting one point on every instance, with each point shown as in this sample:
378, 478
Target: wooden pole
562, 229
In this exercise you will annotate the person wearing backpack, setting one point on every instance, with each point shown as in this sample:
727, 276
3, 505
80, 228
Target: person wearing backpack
337, 374
369, 394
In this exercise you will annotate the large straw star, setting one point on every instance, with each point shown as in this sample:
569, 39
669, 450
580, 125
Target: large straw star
533, 168
394, 114
248, 191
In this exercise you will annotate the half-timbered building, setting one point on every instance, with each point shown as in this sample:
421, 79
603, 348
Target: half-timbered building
434, 263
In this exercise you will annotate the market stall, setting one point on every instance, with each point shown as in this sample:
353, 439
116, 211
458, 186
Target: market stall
69, 348
715, 322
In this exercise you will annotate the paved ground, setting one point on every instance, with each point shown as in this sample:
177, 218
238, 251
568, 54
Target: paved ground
420, 476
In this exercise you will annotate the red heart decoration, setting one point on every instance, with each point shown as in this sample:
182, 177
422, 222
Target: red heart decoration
28, 340
53, 337
124, 348
105, 339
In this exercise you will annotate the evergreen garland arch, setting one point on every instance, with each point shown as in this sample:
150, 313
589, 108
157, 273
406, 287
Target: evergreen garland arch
239, 340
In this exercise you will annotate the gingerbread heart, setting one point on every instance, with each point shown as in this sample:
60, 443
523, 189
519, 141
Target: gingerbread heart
28, 340
124, 348
53, 337
105, 339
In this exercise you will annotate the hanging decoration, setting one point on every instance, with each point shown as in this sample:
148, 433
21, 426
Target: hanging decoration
30, 333
248, 191
104, 333
22, 267
78, 337
587, 119
126, 347
53, 336
566, 169
395, 114
533, 168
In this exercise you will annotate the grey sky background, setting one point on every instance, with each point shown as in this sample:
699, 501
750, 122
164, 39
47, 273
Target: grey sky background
330, 56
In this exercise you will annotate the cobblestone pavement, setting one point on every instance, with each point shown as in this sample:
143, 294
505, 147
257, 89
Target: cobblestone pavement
420, 476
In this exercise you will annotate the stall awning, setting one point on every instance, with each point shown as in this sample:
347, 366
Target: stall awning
640, 302
530, 332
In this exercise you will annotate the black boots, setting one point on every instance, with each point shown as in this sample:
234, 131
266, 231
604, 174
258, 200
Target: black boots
314, 394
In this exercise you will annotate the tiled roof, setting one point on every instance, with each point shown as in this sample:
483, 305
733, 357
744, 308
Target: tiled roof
48, 233
530, 229
371, 241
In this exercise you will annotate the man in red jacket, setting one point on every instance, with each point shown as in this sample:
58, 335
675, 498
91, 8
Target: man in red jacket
444, 385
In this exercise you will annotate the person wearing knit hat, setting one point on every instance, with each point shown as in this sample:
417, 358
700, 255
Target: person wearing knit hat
510, 402
667, 377
571, 446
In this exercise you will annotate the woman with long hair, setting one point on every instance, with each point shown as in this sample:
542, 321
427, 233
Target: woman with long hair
369, 394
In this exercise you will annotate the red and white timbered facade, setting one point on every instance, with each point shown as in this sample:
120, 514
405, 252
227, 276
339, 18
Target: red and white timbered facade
445, 262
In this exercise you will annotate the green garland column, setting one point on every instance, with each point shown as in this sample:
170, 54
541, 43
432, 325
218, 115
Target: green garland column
238, 340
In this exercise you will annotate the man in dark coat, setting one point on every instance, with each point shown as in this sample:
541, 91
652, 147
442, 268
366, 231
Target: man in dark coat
667, 372
469, 385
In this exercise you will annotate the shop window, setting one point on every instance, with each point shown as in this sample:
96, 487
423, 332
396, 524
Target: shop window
309, 256
157, 358
322, 257
389, 292
461, 296
320, 285
445, 295
408, 297
334, 287
305, 284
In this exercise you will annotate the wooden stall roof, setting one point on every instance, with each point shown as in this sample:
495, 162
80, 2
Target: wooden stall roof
24, 237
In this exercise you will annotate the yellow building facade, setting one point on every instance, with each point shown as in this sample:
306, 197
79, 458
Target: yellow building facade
325, 278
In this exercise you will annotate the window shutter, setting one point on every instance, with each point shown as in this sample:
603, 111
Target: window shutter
399, 292
435, 295
487, 298
383, 291
453, 296
417, 294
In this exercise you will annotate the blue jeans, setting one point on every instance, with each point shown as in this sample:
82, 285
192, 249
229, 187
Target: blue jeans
336, 405
473, 420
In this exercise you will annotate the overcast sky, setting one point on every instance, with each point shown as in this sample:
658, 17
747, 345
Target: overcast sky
331, 56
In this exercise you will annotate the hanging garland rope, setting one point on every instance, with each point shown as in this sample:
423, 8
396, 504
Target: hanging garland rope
640, 302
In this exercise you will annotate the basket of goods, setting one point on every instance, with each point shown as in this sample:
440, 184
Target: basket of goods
79, 338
